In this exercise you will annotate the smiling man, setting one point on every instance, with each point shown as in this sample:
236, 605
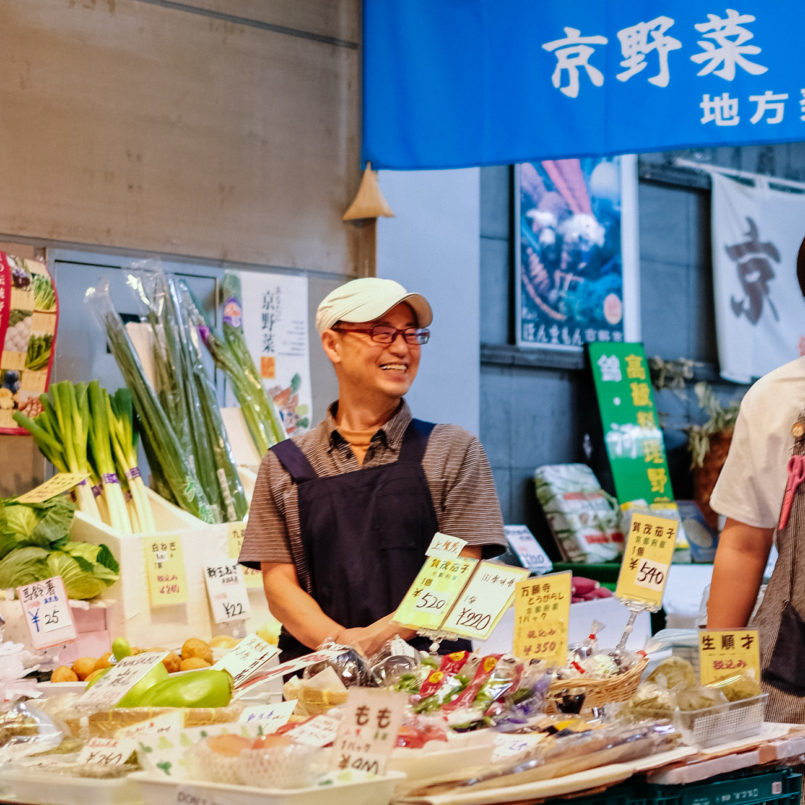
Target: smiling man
341, 516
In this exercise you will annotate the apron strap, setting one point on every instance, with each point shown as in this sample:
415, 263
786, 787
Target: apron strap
415, 440
294, 461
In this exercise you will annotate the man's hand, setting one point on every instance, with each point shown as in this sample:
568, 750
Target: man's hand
370, 639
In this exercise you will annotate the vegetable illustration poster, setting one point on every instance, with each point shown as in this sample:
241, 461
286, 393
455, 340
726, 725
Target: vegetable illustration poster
275, 324
571, 252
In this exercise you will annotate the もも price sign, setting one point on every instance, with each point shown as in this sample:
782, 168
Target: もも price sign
484, 600
644, 569
541, 615
164, 564
47, 612
728, 652
436, 587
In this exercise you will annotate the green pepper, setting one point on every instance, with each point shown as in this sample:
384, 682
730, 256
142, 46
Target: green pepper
132, 697
206, 688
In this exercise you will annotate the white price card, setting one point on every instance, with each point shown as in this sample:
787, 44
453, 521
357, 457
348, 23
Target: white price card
120, 678
229, 598
528, 550
319, 731
47, 612
106, 752
368, 730
290, 667
172, 721
246, 658
268, 717
483, 601
445, 546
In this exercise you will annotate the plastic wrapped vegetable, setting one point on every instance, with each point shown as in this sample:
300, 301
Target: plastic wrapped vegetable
673, 673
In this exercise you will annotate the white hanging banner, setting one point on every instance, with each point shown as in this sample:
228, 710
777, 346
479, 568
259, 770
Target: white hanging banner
760, 311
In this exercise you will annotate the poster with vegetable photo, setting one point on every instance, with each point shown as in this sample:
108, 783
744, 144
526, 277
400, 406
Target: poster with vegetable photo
576, 251
29, 317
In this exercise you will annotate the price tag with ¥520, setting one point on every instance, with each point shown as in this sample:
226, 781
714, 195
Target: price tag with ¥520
47, 612
541, 616
646, 559
227, 592
164, 564
728, 652
253, 579
434, 591
483, 601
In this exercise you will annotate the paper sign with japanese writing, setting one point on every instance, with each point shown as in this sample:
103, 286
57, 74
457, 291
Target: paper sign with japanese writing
541, 616
270, 717
57, 485
253, 579
484, 600
47, 612
434, 591
164, 565
368, 730
171, 721
246, 658
646, 559
728, 652
528, 550
229, 599
290, 667
445, 546
109, 689
106, 752
319, 731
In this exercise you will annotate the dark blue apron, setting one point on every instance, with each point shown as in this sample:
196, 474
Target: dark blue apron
365, 534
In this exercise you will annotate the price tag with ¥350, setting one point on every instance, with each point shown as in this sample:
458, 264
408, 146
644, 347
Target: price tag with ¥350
47, 612
646, 559
434, 591
57, 485
728, 652
253, 579
484, 600
541, 616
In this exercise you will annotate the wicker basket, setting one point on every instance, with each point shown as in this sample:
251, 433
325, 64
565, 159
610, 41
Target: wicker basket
597, 692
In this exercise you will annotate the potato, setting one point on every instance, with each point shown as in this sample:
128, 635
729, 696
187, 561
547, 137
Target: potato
224, 641
84, 666
173, 662
104, 661
195, 647
193, 663
64, 674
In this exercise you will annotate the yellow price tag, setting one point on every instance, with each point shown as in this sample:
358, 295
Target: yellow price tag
541, 615
57, 485
646, 559
434, 591
728, 652
164, 568
253, 579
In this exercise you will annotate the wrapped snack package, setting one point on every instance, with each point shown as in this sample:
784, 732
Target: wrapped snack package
649, 701
699, 698
316, 694
738, 687
443, 685
350, 665
674, 672
25, 730
417, 730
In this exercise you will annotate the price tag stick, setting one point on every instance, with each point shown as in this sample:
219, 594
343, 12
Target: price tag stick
436, 636
635, 608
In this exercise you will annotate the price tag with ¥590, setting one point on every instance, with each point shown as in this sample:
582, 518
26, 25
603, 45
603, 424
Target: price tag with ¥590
434, 591
47, 612
484, 600
646, 560
541, 616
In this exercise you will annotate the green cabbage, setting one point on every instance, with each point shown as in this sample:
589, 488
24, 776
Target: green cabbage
23, 566
46, 525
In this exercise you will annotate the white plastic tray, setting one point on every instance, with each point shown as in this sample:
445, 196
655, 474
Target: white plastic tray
438, 758
60, 789
164, 791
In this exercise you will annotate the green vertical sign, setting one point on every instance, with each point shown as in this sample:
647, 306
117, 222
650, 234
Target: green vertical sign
632, 434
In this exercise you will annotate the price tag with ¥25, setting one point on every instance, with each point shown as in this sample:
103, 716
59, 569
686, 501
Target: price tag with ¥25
646, 559
57, 485
164, 565
434, 591
253, 579
541, 616
483, 601
728, 652
47, 612
227, 592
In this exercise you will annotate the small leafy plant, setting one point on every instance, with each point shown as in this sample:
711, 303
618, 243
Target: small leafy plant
720, 418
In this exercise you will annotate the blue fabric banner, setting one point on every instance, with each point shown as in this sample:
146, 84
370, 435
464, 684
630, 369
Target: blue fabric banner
456, 83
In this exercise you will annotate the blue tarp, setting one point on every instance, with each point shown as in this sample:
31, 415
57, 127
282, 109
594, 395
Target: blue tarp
456, 83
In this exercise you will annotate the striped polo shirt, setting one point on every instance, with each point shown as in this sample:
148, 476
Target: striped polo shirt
456, 469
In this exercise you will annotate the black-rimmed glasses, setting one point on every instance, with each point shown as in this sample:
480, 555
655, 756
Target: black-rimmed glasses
384, 334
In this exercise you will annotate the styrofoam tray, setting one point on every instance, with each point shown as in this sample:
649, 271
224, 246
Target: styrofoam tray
60, 789
434, 760
164, 791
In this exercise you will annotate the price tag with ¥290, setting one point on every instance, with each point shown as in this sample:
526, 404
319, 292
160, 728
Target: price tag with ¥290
646, 560
484, 600
434, 591
47, 612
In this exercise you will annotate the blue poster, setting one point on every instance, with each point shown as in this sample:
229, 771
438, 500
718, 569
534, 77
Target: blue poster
457, 83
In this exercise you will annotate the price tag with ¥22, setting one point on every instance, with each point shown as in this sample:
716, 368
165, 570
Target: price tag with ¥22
47, 612
646, 560
228, 596
728, 652
541, 616
483, 601
434, 591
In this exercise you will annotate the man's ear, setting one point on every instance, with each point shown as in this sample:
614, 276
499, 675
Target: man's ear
331, 346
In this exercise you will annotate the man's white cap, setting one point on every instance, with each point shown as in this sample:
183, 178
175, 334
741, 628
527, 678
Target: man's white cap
367, 299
